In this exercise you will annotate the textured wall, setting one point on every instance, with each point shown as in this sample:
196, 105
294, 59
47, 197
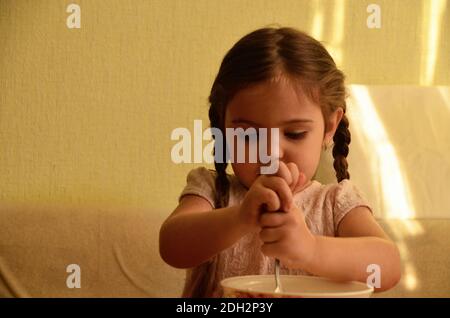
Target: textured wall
86, 114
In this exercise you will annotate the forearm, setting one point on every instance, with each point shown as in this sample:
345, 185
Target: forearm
348, 258
187, 240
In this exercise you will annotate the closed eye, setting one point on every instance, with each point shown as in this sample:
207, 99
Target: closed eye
296, 135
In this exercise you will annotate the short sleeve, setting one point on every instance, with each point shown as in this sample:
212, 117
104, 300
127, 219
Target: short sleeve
346, 197
200, 181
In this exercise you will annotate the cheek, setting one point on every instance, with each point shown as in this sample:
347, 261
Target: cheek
313, 160
307, 157
246, 172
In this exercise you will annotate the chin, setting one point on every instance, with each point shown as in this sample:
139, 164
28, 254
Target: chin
246, 175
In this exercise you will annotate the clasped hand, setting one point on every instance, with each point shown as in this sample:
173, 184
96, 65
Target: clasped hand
269, 207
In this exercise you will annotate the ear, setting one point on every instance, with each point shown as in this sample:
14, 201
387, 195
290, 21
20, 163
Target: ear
333, 122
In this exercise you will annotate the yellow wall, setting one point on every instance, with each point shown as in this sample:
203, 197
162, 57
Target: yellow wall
86, 114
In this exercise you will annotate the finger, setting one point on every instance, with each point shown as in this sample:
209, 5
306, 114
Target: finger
272, 249
269, 198
295, 173
281, 188
270, 235
283, 172
273, 219
301, 183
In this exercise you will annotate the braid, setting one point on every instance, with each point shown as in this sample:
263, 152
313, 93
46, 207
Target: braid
222, 185
342, 138
204, 285
217, 117
207, 273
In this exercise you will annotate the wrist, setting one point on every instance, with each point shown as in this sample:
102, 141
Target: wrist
239, 222
312, 255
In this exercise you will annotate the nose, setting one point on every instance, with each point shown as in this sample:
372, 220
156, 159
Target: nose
276, 145
282, 151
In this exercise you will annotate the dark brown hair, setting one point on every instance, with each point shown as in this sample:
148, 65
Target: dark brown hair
265, 54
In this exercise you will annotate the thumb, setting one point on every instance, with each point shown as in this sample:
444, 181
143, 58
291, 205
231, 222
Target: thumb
301, 182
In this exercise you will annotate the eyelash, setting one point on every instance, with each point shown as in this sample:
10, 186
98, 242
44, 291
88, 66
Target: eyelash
293, 136
296, 135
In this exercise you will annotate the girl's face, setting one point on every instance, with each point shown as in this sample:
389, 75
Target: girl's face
280, 104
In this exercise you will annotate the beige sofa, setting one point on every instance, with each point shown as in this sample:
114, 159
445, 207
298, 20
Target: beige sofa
116, 250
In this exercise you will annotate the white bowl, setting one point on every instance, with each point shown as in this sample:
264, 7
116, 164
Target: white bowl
294, 286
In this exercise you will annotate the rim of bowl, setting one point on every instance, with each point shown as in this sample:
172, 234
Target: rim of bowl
368, 290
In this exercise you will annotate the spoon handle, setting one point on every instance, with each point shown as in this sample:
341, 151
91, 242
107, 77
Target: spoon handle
277, 276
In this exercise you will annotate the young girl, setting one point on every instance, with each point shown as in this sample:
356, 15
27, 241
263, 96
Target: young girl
232, 225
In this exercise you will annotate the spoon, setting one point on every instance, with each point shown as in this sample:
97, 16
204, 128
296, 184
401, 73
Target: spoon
278, 288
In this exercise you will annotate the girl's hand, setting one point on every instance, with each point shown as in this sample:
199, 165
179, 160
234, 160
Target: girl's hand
267, 193
291, 174
285, 234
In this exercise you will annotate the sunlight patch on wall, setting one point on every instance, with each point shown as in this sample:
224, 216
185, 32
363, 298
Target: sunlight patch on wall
410, 277
412, 227
395, 194
445, 94
433, 12
338, 32
317, 24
